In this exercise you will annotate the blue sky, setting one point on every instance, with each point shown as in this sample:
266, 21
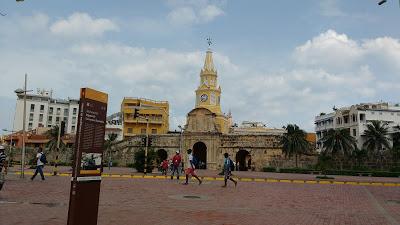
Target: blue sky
279, 62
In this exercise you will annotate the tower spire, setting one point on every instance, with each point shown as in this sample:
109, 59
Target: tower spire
208, 63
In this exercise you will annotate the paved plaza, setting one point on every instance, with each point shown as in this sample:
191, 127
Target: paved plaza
162, 201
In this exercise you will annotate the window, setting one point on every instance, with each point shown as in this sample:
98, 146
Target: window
73, 120
65, 119
57, 119
51, 110
74, 110
32, 107
354, 132
362, 116
58, 111
41, 108
49, 126
154, 131
30, 126
31, 117
41, 118
346, 119
73, 129
143, 130
50, 119
65, 112
130, 130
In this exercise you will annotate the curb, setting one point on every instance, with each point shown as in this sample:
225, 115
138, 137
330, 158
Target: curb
242, 179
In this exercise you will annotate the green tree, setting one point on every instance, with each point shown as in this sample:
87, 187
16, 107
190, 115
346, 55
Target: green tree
109, 145
294, 141
140, 158
51, 145
376, 138
339, 144
395, 150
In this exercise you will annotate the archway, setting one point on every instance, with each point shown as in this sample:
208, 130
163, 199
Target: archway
161, 155
200, 152
242, 157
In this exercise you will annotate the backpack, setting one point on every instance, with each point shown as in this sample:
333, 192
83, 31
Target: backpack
231, 165
195, 162
43, 158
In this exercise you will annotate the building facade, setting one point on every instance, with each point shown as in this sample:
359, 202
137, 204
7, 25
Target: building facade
44, 111
355, 118
156, 113
210, 133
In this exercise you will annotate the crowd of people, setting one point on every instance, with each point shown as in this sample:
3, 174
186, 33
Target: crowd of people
176, 166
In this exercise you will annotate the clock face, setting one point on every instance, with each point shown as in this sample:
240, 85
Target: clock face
203, 97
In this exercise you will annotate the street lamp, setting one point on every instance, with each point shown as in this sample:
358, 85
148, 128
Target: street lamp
20, 91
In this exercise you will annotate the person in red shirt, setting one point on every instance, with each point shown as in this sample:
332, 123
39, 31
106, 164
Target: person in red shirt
164, 167
176, 162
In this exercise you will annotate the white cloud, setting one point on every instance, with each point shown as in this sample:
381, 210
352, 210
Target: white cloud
329, 49
192, 12
210, 12
82, 25
182, 16
330, 8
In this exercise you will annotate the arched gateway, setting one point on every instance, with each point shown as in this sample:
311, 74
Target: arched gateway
200, 152
242, 157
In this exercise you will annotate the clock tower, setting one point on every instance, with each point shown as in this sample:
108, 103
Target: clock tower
208, 94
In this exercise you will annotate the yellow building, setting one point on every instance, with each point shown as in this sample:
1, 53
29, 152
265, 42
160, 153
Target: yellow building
208, 94
157, 112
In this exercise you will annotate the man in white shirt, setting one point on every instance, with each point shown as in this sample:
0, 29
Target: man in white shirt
39, 164
190, 168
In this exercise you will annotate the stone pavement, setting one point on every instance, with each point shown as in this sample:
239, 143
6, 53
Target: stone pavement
156, 201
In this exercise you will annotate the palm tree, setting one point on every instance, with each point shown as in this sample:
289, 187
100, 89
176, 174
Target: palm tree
339, 144
294, 141
376, 137
52, 134
109, 144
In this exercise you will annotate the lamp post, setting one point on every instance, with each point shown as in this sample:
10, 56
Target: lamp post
18, 92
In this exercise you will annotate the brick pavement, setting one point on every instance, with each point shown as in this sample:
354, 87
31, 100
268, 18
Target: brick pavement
154, 201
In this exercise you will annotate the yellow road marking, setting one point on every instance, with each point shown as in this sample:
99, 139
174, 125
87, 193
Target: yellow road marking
259, 180
338, 182
298, 181
311, 182
268, 180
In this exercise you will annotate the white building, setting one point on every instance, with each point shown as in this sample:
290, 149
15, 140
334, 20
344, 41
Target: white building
355, 118
114, 126
44, 111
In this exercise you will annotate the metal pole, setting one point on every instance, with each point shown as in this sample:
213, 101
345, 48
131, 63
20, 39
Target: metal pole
147, 144
58, 149
23, 132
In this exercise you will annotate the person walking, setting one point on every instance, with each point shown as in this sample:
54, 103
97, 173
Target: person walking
176, 161
228, 166
40, 161
2, 164
164, 167
190, 168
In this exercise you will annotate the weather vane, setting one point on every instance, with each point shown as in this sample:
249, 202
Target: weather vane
209, 42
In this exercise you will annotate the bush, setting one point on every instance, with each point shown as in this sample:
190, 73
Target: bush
269, 169
295, 170
139, 160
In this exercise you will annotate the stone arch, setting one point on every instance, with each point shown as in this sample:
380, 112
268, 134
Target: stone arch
161, 155
242, 157
200, 152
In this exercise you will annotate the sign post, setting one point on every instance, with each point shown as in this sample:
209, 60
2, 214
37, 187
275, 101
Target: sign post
88, 157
